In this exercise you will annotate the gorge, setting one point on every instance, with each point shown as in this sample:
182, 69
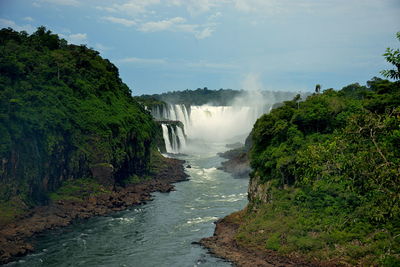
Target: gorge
170, 223
89, 174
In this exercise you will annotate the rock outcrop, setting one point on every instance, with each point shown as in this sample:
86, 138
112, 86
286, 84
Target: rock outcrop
13, 237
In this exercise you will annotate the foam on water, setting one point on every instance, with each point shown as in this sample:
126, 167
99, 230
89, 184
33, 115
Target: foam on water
201, 220
159, 233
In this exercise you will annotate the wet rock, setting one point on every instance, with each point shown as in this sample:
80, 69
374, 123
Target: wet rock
103, 173
14, 235
258, 192
223, 244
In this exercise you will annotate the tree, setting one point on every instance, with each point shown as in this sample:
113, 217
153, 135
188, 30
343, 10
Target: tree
317, 88
393, 56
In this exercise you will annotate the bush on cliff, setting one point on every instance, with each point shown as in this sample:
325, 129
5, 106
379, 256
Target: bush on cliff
332, 166
65, 114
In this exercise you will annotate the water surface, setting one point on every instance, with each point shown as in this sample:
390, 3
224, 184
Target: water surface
159, 233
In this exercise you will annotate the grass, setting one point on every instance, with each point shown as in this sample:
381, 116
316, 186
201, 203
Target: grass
318, 232
157, 162
78, 190
9, 210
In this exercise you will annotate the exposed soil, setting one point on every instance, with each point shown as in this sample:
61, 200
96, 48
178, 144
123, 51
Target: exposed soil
14, 236
224, 245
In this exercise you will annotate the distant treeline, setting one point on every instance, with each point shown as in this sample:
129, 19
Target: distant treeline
221, 97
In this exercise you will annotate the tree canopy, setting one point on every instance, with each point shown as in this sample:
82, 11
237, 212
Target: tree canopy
63, 109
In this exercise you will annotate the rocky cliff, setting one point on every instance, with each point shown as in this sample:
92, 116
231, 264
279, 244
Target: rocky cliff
64, 114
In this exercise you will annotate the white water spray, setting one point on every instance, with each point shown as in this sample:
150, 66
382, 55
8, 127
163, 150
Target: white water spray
208, 124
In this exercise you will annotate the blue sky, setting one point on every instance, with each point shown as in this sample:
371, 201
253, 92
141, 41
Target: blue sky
163, 45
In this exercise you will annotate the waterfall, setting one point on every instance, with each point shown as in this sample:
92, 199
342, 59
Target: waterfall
206, 123
185, 125
168, 146
174, 136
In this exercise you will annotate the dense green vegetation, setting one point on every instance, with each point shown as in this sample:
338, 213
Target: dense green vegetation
64, 111
331, 166
198, 97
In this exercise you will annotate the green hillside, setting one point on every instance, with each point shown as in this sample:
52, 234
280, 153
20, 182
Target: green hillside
65, 114
326, 177
325, 183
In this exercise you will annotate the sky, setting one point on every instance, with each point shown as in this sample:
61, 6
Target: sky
167, 45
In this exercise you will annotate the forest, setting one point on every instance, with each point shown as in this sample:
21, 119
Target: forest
203, 96
327, 178
65, 115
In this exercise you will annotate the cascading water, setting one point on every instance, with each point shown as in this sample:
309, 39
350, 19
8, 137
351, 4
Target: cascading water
174, 136
168, 145
162, 232
205, 123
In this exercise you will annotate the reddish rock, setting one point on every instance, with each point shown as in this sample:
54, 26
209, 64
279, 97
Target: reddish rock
224, 245
14, 235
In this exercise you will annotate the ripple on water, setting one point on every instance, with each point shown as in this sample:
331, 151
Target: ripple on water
232, 197
156, 234
123, 220
201, 220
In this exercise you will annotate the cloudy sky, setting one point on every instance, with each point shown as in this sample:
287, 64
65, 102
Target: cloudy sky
162, 45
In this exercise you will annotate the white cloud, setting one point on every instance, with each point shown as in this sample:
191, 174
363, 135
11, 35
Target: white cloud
77, 38
168, 24
142, 60
30, 19
215, 16
263, 6
125, 22
200, 65
108, 9
62, 2
178, 24
196, 7
101, 48
144, 17
191, 28
206, 32
5, 23
132, 7
212, 65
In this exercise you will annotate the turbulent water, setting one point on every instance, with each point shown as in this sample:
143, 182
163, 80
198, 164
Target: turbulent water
207, 124
159, 233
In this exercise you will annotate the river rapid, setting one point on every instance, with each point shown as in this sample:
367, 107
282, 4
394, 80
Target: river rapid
159, 233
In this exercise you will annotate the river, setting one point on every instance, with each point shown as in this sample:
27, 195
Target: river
159, 233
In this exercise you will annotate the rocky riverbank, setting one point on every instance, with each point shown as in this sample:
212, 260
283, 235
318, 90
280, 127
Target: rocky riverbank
223, 244
237, 164
14, 236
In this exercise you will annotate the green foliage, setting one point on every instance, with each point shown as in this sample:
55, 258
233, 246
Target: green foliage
63, 109
198, 97
393, 57
317, 88
10, 209
318, 226
336, 137
78, 190
148, 101
332, 163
